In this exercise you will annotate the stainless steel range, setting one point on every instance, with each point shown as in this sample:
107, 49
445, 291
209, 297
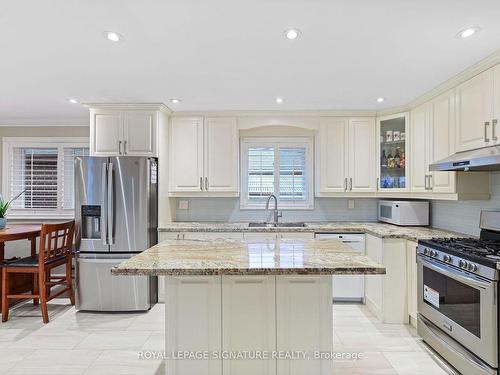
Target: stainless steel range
458, 297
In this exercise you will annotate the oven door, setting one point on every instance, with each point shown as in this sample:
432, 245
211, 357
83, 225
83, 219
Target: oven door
462, 304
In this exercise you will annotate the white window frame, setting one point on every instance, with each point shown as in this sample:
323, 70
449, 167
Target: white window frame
8, 143
306, 142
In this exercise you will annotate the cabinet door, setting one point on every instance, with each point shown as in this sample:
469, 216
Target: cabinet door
304, 322
393, 140
442, 143
495, 127
221, 155
362, 175
249, 322
332, 140
193, 322
374, 284
139, 134
419, 141
186, 154
474, 99
106, 133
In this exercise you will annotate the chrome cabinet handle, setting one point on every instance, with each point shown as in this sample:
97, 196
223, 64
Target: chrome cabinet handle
486, 124
125, 148
378, 183
345, 184
426, 182
119, 147
493, 130
201, 183
350, 184
206, 183
431, 182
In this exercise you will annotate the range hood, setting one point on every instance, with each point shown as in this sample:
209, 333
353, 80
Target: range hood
482, 159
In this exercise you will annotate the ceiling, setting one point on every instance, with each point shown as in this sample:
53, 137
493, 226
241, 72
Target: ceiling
231, 54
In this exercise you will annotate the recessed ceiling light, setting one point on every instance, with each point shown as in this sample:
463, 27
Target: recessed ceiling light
465, 33
292, 34
279, 100
175, 100
73, 101
113, 36
380, 100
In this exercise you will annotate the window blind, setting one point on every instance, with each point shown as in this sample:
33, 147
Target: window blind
293, 182
260, 172
34, 170
45, 174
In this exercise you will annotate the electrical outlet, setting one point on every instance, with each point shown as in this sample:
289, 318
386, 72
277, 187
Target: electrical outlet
183, 205
350, 204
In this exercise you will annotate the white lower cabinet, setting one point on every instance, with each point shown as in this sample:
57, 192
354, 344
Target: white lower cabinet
193, 322
248, 322
385, 295
244, 314
304, 322
411, 271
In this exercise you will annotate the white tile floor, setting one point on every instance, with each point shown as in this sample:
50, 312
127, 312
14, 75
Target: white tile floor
89, 343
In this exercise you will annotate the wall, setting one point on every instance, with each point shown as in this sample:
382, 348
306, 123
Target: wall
228, 209
463, 216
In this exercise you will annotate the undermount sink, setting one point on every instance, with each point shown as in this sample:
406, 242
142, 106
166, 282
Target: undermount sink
279, 225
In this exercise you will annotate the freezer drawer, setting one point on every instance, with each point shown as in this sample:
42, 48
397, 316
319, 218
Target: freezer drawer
98, 290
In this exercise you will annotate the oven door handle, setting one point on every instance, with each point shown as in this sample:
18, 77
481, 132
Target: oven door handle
457, 275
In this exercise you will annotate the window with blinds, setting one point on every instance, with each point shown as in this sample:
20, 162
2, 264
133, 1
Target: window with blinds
281, 167
45, 173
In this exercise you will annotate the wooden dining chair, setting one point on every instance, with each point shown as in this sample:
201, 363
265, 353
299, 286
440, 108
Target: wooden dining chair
56, 244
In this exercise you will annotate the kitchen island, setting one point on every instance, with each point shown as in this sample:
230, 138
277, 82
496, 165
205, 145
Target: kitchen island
257, 306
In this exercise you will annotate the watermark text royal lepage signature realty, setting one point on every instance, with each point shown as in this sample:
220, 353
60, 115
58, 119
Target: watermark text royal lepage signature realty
248, 355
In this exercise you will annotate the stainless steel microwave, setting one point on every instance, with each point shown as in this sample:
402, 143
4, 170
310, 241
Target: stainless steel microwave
403, 212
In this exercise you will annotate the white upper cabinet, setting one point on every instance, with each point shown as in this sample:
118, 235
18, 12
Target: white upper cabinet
124, 130
346, 155
106, 133
392, 132
362, 175
474, 101
186, 154
419, 148
204, 156
332, 141
221, 155
441, 141
139, 134
495, 125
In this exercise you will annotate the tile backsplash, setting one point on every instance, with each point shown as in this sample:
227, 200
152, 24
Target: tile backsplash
463, 216
228, 209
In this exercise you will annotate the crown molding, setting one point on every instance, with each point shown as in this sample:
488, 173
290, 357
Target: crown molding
130, 106
312, 113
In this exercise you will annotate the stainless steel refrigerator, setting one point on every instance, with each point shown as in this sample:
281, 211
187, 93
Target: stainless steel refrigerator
116, 211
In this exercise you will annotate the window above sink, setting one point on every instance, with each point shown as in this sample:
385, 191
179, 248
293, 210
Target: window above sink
279, 166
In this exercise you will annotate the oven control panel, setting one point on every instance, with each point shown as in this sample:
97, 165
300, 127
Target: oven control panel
458, 262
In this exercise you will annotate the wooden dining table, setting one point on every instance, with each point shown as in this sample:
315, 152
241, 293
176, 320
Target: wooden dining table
19, 283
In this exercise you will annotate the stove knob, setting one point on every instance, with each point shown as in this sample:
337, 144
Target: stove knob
447, 258
472, 267
462, 264
426, 251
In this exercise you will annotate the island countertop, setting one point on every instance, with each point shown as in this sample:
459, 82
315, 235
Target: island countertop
249, 257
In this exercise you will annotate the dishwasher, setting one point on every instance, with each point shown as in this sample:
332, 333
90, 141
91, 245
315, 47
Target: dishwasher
348, 288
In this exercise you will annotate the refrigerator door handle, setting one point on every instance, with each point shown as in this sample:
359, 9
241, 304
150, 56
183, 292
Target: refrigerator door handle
104, 213
110, 207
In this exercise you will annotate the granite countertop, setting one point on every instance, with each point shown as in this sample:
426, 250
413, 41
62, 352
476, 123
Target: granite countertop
380, 230
249, 257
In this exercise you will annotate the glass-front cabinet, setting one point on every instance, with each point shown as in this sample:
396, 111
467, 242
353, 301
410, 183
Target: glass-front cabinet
392, 132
